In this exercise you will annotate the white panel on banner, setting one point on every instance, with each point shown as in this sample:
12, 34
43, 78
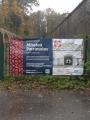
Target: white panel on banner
68, 57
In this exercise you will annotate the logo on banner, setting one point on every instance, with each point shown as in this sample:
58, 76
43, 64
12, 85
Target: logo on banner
57, 44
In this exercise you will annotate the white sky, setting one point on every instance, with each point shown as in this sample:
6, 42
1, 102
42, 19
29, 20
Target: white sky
58, 5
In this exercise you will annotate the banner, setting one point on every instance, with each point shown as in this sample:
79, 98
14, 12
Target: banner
38, 56
16, 56
68, 56
46, 56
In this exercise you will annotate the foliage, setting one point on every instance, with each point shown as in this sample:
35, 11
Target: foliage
87, 72
14, 17
45, 21
13, 21
87, 65
47, 82
25, 4
13, 14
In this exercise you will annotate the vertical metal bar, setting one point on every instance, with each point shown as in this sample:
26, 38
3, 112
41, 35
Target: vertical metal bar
85, 54
1, 56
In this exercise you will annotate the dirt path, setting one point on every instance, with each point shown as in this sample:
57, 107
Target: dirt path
44, 105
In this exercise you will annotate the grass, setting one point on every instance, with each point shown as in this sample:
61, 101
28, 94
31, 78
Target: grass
47, 82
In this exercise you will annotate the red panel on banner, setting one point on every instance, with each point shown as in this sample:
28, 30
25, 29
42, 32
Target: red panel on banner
16, 56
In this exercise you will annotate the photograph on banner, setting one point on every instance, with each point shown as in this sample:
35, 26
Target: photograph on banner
68, 56
37, 56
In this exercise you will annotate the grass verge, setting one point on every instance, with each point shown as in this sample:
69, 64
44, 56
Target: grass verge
49, 82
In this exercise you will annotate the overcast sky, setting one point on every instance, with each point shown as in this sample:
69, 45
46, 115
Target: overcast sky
58, 5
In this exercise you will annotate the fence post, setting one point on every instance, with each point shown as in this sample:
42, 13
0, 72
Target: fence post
1, 56
85, 56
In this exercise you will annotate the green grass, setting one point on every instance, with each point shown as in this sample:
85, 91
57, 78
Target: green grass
48, 82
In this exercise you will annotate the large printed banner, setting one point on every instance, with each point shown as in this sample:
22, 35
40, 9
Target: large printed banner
68, 56
37, 56
46, 56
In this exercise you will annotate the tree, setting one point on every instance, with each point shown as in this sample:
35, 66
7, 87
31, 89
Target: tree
53, 19
13, 14
13, 21
23, 5
44, 22
14, 17
39, 23
26, 4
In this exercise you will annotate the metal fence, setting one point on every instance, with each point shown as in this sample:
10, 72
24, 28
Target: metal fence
5, 52
11, 61
76, 25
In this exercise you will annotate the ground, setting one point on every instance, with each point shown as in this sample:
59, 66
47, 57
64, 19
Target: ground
45, 105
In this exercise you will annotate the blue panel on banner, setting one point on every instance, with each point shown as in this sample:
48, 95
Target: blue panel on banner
37, 56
